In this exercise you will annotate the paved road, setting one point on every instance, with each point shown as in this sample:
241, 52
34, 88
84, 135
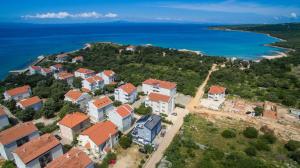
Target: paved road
170, 134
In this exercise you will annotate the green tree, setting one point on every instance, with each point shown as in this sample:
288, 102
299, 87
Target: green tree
9, 164
258, 110
77, 82
292, 145
125, 141
25, 115
117, 103
68, 108
250, 132
228, 134
49, 108
148, 148
250, 151
143, 110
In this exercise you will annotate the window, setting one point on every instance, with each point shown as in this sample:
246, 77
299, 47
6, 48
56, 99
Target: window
22, 141
45, 159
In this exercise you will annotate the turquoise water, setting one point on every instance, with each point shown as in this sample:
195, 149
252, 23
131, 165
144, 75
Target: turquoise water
20, 44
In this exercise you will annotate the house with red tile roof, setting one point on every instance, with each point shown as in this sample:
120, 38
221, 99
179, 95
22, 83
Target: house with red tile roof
75, 158
46, 71
33, 102
130, 48
18, 93
16, 136
56, 68
77, 97
62, 57
216, 93
93, 83
84, 73
65, 76
98, 108
108, 76
100, 138
122, 117
126, 93
34, 70
160, 103
72, 124
38, 152
3, 119
77, 59
159, 86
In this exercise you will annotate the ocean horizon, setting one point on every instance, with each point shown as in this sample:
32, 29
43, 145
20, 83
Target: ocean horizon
21, 44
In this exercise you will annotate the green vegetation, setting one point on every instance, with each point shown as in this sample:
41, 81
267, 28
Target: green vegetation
143, 110
47, 128
8, 164
271, 80
250, 132
125, 141
77, 82
228, 134
67, 108
292, 145
201, 144
106, 161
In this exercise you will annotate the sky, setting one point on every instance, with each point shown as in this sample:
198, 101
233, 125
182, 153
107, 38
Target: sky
181, 11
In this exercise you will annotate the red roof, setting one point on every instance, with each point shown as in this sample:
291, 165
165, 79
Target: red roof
75, 158
62, 55
128, 88
73, 94
65, 75
94, 79
46, 70
78, 58
36, 147
2, 112
18, 90
37, 68
16, 132
57, 66
30, 101
158, 97
85, 71
101, 132
216, 89
73, 119
124, 110
102, 102
160, 83
108, 72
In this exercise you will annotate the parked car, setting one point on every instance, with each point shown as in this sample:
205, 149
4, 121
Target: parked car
174, 114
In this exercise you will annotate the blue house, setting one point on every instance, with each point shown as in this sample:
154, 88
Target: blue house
146, 129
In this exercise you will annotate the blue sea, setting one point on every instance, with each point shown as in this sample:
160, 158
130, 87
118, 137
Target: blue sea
20, 44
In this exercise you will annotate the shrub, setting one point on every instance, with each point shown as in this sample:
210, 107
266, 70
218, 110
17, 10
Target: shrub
148, 148
117, 103
143, 110
295, 156
261, 145
269, 138
125, 141
8, 164
258, 110
250, 132
250, 151
228, 134
292, 145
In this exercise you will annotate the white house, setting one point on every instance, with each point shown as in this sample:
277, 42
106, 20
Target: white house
130, 48
18, 93
3, 119
77, 97
122, 117
216, 93
75, 158
93, 83
16, 136
84, 73
160, 103
38, 152
34, 70
33, 102
65, 76
46, 71
77, 59
98, 108
56, 68
159, 86
99, 139
72, 124
108, 76
126, 93
61, 58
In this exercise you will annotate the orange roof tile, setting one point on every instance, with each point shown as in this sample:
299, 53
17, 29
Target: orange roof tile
30, 101
124, 110
58, 66
62, 55
85, 90
78, 57
18, 90
16, 132
158, 97
73, 94
65, 75
36, 147
128, 88
46, 70
75, 158
102, 102
2, 112
94, 79
37, 68
101, 132
73, 119
108, 72
216, 89
160, 83
85, 71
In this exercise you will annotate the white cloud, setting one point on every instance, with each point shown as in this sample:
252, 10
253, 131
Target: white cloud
64, 15
293, 15
233, 6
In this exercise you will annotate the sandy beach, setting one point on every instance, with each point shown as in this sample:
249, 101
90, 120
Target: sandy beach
279, 55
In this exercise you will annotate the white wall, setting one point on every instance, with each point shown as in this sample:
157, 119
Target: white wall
123, 97
149, 88
3, 121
